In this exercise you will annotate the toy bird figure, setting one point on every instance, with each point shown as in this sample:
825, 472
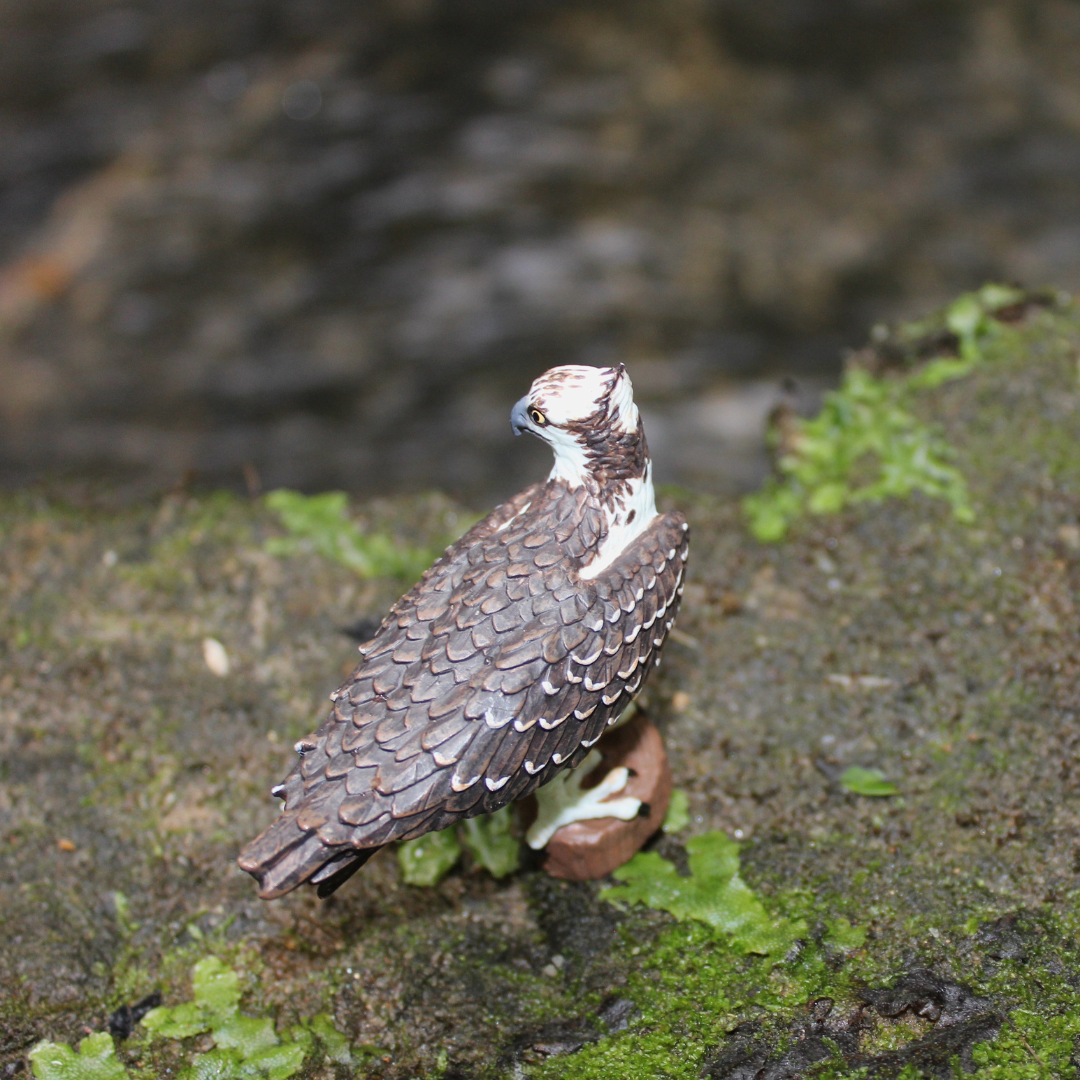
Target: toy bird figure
509, 658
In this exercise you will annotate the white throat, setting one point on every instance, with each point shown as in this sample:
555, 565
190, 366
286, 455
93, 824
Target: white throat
571, 463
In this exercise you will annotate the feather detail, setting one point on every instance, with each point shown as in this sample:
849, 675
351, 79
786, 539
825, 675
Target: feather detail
449, 752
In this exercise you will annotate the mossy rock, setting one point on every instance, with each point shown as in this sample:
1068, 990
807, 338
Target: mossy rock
889, 637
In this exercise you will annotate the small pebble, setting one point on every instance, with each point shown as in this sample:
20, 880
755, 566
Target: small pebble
217, 659
65, 845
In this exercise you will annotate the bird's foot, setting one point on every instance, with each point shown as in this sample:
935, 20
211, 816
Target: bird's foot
564, 801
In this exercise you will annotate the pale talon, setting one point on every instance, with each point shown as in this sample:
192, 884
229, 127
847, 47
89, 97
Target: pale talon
563, 801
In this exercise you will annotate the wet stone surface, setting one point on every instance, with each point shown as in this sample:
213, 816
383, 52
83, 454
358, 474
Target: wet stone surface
131, 773
323, 244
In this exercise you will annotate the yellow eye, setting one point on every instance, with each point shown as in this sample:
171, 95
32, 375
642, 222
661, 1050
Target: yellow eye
537, 417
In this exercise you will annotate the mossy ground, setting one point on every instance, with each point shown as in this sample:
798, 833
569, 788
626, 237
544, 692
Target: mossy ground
129, 767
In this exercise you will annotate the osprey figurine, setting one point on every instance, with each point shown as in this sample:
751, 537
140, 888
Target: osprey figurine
506, 662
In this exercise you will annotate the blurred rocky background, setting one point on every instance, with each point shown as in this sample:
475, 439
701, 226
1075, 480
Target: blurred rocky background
328, 242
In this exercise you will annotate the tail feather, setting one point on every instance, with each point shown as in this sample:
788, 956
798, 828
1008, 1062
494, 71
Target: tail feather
285, 856
329, 879
272, 843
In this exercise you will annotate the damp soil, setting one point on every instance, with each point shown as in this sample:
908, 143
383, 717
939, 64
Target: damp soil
131, 774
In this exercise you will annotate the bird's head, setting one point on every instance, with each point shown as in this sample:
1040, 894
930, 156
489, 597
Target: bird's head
588, 417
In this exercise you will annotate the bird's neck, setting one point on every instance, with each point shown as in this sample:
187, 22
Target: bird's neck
603, 459
614, 469
627, 509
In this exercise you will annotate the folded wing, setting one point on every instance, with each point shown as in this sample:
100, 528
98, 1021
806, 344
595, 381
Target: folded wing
497, 670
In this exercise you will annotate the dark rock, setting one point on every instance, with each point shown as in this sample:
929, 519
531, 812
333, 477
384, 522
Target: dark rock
616, 1012
1003, 939
934, 1054
575, 923
750, 1053
961, 1020
122, 1022
742, 1059
925, 994
553, 1039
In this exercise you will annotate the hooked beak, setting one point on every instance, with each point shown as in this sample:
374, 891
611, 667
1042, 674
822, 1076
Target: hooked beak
519, 417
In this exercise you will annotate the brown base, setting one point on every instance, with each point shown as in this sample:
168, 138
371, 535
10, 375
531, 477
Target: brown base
587, 850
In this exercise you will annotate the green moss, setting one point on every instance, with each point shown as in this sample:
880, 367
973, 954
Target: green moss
714, 893
860, 781
217, 997
843, 937
168, 556
427, 860
491, 839
244, 1046
970, 317
678, 812
335, 1045
321, 524
95, 1060
866, 445
690, 996
1039, 990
